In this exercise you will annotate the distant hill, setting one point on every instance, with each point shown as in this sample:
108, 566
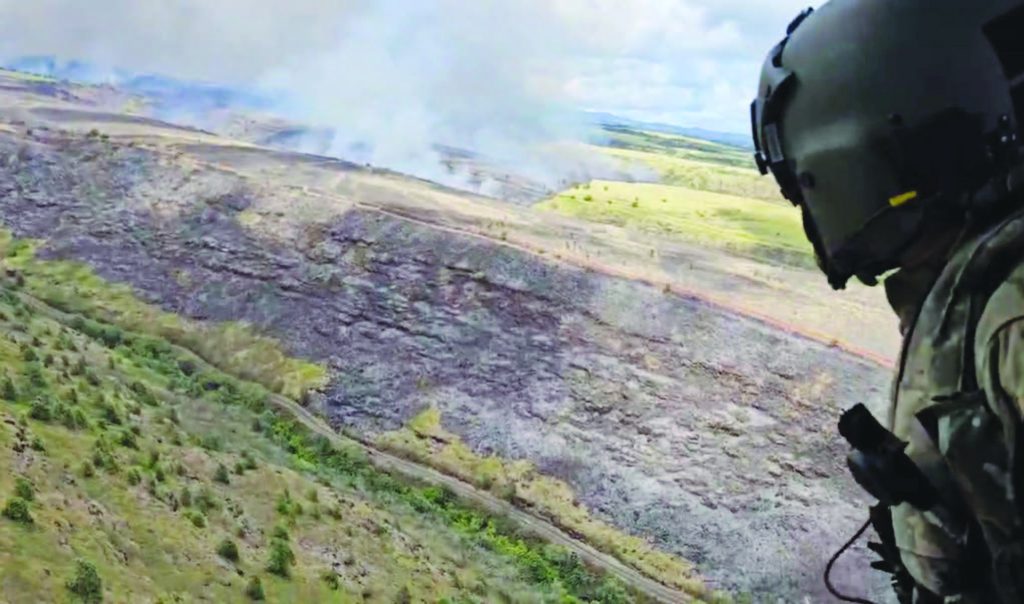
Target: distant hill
166, 92
726, 138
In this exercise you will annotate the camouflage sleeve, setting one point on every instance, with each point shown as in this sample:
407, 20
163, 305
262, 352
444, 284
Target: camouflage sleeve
999, 351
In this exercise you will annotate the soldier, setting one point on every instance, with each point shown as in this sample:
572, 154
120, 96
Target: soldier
893, 125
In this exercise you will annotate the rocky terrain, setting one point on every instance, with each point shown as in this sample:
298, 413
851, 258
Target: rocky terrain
706, 432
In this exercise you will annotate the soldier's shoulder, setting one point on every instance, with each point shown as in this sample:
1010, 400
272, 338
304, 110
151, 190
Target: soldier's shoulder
1004, 309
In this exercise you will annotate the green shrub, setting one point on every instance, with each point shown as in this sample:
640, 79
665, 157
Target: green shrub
205, 500
127, 439
228, 550
28, 354
88, 471
109, 412
41, 410
221, 474
254, 590
23, 488
248, 461
36, 377
282, 558
332, 579
134, 477
86, 583
197, 518
72, 418
280, 532
8, 390
17, 511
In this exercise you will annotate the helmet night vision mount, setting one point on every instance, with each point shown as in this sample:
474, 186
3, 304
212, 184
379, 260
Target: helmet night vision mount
876, 116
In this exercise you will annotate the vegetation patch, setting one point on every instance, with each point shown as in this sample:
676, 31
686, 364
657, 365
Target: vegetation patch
74, 287
766, 230
426, 441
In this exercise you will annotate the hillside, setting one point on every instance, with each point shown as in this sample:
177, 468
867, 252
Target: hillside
174, 480
663, 391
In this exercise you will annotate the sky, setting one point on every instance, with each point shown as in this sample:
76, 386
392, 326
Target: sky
495, 75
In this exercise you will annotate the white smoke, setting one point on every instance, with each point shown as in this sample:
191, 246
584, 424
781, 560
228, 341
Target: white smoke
393, 79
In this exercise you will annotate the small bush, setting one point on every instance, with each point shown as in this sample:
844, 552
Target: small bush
88, 471
228, 550
205, 501
248, 461
110, 413
127, 439
254, 590
86, 583
23, 488
36, 377
17, 511
41, 410
282, 558
134, 477
222, 475
8, 390
332, 580
197, 518
72, 418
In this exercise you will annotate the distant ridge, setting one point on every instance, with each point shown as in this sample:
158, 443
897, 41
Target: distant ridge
732, 139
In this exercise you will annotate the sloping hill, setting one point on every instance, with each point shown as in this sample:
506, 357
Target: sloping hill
550, 361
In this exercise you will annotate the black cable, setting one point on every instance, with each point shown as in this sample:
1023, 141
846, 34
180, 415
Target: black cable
828, 569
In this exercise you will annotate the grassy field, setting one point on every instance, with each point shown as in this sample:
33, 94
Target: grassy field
765, 229
133, 474
696, 174
681, 147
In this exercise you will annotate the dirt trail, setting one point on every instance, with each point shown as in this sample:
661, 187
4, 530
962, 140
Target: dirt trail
390, 463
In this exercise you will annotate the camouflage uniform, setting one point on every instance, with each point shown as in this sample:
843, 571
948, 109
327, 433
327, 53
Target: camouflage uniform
957, 402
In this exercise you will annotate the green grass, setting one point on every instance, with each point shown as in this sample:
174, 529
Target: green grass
760, 228
682, 147
701, 175
153, 512
234, 347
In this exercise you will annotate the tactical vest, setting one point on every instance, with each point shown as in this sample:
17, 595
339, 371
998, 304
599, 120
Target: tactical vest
964, 442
